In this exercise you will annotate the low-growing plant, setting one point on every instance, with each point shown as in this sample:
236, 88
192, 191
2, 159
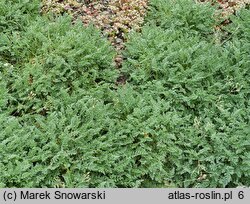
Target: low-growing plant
239, 28
51, 56
16, 14
206, 87
181, 120
186, 15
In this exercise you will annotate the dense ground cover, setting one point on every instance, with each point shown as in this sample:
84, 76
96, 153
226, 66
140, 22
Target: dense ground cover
181, 120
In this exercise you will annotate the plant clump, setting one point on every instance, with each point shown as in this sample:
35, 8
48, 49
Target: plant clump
181, 119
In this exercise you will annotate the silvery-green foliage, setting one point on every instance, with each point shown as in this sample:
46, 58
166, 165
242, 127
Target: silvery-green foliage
49, 56
184, 15
16, 14
207, 89
182, 119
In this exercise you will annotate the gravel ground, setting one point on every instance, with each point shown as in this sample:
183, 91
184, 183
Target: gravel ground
114, 17
118, 17
229, 6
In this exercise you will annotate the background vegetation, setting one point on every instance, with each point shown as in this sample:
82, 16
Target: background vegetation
181, 120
